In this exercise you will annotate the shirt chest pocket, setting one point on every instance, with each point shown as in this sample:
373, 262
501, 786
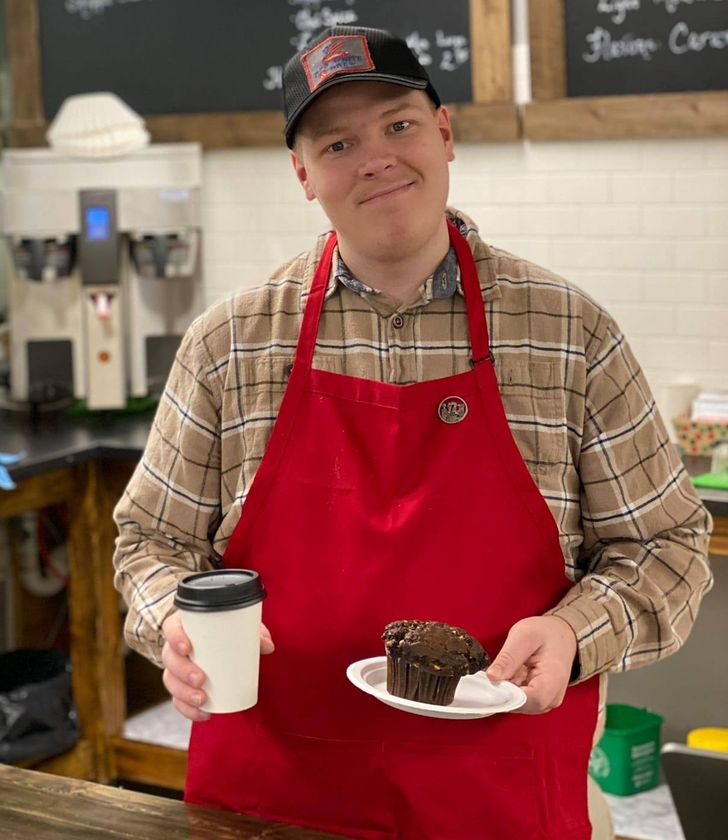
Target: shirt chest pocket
533, 399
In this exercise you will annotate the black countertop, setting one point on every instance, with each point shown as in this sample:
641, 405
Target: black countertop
56, 440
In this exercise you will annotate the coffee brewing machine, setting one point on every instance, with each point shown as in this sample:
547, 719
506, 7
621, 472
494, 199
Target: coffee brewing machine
104, 270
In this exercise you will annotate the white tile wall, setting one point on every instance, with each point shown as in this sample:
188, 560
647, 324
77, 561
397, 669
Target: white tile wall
641, 225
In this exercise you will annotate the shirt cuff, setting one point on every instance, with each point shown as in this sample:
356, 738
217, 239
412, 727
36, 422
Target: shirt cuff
596, 641
145, 637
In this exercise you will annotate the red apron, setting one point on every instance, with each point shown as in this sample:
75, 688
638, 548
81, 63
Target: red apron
367, 507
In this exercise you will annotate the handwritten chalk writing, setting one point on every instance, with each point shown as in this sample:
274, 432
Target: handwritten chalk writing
274, 78
87, 9
683, 40
454, 50
620, 47
605, 48
309, 3
618, 9
453, 41
440, 50
307, 21
673, 6
420, 47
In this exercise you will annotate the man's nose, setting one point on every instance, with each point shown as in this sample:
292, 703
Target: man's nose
374, 160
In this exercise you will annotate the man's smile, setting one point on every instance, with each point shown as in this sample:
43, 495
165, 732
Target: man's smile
390, 192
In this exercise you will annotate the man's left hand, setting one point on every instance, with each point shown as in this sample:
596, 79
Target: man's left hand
538, 655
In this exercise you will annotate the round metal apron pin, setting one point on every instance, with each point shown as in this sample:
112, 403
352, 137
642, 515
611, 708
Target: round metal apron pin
452, 410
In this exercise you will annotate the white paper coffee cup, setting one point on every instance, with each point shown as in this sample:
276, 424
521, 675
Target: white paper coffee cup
221, 613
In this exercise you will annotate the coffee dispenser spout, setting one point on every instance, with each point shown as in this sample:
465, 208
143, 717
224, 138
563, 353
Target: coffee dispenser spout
102, 305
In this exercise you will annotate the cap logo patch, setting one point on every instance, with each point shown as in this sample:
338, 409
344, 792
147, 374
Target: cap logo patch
337, 54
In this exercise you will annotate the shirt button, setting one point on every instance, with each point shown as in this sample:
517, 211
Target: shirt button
398, 322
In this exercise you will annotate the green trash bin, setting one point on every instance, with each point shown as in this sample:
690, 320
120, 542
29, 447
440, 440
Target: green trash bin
627, 758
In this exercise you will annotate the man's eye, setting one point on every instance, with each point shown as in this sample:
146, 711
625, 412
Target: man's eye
400, 125
338, 146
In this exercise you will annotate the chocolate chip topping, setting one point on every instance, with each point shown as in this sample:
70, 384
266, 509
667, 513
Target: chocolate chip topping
435, 647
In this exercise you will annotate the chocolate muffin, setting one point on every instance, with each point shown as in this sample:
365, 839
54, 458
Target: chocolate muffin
426, 659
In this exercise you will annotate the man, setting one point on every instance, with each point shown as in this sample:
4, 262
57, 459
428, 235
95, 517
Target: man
462, 437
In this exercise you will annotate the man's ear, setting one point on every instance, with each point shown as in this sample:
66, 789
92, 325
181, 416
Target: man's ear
301, 173
443, 123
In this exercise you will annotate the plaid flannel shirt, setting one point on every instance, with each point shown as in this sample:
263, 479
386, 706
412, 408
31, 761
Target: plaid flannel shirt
633, 532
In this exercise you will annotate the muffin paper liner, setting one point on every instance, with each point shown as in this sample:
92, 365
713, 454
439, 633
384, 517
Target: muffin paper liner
414, 683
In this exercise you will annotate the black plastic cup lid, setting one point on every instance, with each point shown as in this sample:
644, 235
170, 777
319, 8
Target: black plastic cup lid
226, 589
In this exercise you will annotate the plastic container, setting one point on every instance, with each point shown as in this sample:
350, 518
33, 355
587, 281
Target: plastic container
709, 738
627, 758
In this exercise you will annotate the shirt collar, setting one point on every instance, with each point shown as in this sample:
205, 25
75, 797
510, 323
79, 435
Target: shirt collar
442, 284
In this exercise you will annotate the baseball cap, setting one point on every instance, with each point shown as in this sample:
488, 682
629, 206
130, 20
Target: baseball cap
348, 54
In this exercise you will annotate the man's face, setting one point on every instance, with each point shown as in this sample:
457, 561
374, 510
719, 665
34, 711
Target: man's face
376, 156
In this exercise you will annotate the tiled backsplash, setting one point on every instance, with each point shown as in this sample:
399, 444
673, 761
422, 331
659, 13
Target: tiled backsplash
642, 225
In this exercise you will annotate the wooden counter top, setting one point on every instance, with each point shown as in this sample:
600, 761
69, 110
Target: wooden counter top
45, 807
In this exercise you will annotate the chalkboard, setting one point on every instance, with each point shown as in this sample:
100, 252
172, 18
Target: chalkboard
646, 46
199, 56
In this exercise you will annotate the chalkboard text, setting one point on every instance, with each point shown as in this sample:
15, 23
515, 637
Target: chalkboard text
643, 46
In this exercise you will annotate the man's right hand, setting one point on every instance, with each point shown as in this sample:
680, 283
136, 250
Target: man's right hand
181, 677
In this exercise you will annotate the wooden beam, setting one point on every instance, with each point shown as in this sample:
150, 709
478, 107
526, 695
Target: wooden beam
23, 43
82, 611
94, 624
52, 488
719, 539
547, 38
28, 136
106, 486
219, 131
645, 115
471, 122
149, 764
484, 122
490, 50
76, 763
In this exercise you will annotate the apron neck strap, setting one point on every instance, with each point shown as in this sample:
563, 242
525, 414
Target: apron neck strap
314, 305
477, 325
471, 289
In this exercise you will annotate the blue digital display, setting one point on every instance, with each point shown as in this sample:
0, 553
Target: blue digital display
98, 223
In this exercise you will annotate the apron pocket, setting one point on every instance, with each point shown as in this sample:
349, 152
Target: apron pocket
457, 792
335, 786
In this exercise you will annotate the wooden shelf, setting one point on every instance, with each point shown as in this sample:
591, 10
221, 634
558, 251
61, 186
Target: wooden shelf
76, 763
148, 764
471, 122
614, 117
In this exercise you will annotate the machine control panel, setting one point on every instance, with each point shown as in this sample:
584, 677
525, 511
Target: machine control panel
99, 240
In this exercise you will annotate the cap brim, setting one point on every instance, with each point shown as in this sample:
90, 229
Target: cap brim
416, 84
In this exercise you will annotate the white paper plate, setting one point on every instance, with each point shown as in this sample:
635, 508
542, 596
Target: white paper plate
475, 697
